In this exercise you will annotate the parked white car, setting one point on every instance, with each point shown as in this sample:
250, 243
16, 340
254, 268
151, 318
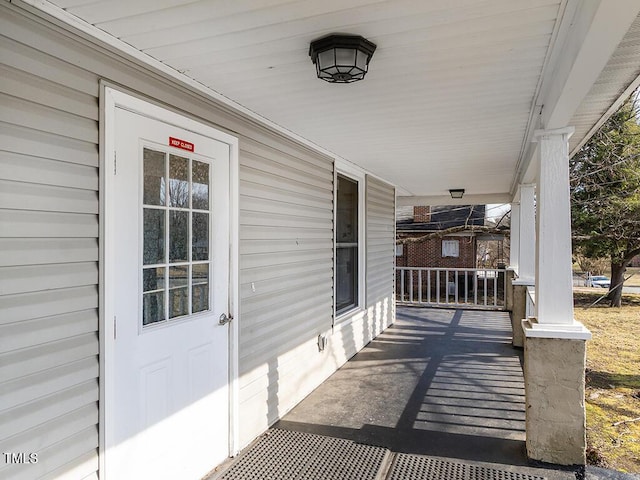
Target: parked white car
600, 281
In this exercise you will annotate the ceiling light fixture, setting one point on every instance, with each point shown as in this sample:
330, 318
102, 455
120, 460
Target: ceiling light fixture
341, 58
456, 192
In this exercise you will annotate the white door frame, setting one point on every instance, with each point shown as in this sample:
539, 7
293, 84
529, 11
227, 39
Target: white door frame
110, 99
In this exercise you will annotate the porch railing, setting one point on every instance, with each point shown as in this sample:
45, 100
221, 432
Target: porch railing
482, 288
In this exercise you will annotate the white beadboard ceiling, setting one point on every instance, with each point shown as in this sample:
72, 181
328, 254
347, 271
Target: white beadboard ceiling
449, 100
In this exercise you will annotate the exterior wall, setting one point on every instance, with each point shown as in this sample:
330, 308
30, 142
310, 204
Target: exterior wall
286, 281
49, 250
380, 255
428, 253
48, 260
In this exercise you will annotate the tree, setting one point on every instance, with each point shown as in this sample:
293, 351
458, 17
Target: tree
605, 194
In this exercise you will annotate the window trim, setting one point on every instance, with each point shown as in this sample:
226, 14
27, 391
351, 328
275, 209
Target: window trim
356, 175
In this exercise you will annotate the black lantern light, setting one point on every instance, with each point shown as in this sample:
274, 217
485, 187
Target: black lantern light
341, 58
456, 192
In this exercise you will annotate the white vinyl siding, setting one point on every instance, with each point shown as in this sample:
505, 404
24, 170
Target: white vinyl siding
48, 264
286, 242
381, 240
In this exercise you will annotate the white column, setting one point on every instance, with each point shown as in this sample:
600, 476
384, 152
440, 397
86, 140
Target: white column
527, 261
554, 285
514, 242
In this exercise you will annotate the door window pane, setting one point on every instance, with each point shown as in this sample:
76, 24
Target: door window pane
176, 233
154, 177
179, 276
153, 279
153, 236
178, 182
178, 236
200, 289
178, 302
200, 236
152, 308
200, 185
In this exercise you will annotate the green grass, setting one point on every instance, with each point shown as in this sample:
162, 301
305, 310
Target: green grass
613, 381
634, 281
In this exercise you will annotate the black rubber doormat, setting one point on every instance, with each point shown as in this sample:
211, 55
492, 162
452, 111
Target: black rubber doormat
291, 455
288, 455
415, 467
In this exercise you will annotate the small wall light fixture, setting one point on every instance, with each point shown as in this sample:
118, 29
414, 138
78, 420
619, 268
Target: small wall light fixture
456, 192
341, 58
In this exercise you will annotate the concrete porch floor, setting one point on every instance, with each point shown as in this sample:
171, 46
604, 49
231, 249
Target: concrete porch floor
441, 391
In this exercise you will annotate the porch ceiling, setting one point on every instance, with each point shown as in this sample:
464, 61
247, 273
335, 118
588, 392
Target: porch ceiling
453, 93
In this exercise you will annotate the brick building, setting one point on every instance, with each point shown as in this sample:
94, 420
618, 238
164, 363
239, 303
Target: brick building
456, 250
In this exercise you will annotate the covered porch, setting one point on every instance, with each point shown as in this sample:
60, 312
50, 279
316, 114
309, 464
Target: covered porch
439, 395
489, 99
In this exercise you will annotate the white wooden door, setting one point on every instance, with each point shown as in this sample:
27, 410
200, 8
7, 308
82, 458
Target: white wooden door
169, 416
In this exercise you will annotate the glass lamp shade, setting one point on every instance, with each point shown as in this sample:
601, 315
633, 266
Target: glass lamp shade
456, 192
341, 58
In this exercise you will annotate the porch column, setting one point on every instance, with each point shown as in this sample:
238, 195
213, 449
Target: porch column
555, 351
514, 243
526, 259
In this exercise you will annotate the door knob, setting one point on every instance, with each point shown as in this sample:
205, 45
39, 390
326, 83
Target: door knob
224, 319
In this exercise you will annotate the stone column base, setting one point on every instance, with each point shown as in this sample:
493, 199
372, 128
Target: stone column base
518, 313
508, 294
554, 386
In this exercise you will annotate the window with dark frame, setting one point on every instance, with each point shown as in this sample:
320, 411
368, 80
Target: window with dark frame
346, 275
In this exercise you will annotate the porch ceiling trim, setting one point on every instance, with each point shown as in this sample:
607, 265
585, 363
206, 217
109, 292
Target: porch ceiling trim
586, 48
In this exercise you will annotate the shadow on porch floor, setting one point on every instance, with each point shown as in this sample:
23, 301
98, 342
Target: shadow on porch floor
439, 395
